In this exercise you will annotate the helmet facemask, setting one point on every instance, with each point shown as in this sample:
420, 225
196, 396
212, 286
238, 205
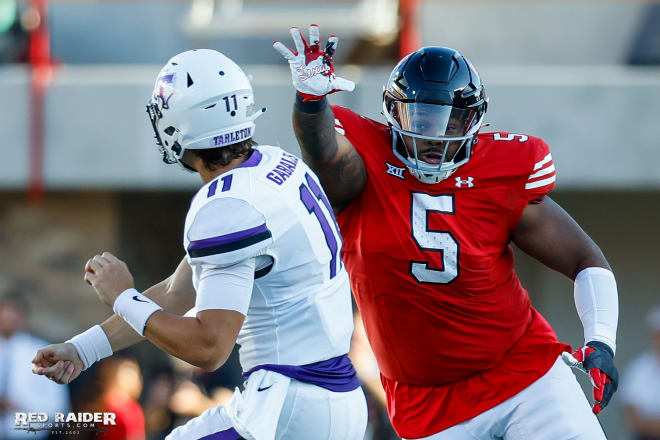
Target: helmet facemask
172, 154
438, 127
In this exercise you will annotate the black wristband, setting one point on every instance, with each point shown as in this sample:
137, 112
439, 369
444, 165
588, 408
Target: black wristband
311, 107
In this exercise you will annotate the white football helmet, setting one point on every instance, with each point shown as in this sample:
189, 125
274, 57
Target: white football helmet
201, 100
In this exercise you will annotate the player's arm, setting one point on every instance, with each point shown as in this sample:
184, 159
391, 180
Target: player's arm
206, 340
175, 294
549, 234
63, 362
546, 232
332, 157
224, 257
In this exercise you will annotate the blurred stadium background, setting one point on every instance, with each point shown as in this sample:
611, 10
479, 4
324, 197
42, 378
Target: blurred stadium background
80, 174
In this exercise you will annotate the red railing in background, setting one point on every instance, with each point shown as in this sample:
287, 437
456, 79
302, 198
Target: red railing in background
41, 71
409, 35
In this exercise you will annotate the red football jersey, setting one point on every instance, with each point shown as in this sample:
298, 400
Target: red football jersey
431, 270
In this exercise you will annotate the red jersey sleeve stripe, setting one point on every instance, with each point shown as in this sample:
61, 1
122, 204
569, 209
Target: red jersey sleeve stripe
542, 162
540, 183
543, 172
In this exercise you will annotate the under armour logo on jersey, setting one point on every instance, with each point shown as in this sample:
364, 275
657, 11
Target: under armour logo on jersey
395, 171
460, 182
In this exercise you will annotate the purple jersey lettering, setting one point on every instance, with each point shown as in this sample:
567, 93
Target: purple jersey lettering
283, 169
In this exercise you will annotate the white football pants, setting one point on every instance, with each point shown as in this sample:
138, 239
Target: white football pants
552, 408
308, 412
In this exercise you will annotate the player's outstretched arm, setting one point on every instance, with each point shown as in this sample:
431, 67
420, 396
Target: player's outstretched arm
549, 234
331, 155
62, 363
205, 340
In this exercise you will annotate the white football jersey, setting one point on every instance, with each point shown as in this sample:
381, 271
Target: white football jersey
272, 209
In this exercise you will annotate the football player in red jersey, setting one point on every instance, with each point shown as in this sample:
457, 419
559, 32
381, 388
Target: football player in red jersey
428, 207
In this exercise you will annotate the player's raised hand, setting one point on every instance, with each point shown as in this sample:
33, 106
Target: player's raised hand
109, 276
58, 362
597, 360
312, 69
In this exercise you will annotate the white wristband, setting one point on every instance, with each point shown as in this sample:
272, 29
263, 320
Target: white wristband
597, 304
92, 345
135, 309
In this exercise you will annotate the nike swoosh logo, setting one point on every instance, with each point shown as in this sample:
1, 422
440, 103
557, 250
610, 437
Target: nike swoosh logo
263, 389
135, 297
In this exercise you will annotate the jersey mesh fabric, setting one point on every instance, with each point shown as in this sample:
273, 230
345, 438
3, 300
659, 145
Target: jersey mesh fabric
453, 349
299, 308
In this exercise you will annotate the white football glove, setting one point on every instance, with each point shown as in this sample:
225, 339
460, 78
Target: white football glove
312, 70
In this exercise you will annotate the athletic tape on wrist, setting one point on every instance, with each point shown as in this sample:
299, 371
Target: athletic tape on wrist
597, 304
92, 345
135, 309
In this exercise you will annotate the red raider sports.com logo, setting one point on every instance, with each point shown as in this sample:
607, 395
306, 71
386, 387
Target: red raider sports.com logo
70, 423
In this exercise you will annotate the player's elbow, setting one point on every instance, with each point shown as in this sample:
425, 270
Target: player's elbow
213, 361
218, 330
208, 365
214, 354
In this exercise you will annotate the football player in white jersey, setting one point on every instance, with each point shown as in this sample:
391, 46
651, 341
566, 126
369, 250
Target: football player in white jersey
262, 268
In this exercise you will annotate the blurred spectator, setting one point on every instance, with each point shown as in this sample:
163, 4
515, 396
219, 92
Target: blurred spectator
13, 37
116, 388
20, 390
124, 388
190, 401
158, 416
645, 50
640, 387
199, 390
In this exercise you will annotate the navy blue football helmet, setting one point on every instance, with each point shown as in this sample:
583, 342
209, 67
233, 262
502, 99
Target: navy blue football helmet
434, 94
